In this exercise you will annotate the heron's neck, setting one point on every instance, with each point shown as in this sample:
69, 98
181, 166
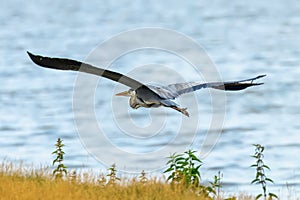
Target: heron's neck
134, 102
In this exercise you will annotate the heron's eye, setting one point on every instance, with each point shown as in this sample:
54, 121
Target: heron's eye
131, 90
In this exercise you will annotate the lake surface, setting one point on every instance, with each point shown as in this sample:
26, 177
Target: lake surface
243, 40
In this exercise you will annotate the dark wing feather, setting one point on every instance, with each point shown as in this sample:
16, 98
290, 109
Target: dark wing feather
68, 64
174, 90
142, 90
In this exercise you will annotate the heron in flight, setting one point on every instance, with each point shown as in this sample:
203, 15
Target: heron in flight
143, 95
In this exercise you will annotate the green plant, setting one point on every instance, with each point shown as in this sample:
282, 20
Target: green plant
60, 169
112, 175
142, 177
261, 177
73, 176
215, 186
184, 168
101, 180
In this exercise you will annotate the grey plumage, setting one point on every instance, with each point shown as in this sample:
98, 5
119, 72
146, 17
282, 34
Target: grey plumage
142, 95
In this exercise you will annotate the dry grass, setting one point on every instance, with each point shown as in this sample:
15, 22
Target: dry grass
17, 183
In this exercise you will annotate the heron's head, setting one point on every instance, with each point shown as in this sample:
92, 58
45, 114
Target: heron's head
128, 93
133, 102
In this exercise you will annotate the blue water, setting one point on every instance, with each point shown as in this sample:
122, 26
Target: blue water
243, 39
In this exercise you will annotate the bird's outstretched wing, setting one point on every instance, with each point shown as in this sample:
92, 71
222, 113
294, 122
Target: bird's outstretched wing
68, 64
174, 90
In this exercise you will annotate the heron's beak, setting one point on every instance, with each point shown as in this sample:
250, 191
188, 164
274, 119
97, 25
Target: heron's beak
125, 93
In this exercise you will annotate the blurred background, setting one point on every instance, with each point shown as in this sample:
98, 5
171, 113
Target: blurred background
244, 39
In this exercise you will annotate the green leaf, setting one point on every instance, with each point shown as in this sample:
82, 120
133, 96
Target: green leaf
195, 158
258, 196
183, 163
267, 167
168, 170
270, 180
54, 171
273, 195
172, 156
61, 166
255, 180
197, 168
196, 171
172, 166
54, 161
178, 159
211, 190
170, 177
170, 161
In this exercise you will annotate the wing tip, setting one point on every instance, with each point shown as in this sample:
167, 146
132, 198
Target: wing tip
255, 84
34, 58
31, 55
261, 76
258, 77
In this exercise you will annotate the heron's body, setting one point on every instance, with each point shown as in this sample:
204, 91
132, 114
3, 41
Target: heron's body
136, 102
141, 95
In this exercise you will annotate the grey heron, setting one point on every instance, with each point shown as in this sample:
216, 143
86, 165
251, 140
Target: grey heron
143, 95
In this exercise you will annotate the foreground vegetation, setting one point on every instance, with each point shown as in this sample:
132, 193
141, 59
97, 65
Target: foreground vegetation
19, 187
183, 181
18, 183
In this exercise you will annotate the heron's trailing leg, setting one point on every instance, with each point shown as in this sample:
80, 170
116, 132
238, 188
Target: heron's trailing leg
182, 110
